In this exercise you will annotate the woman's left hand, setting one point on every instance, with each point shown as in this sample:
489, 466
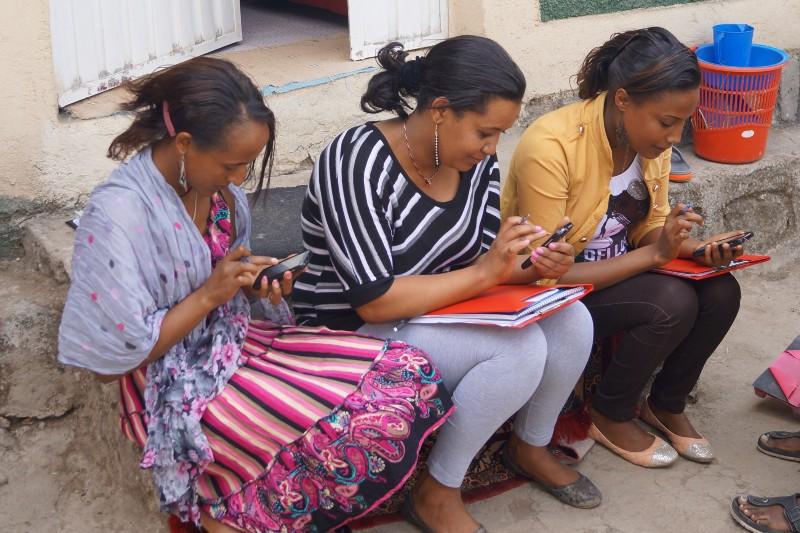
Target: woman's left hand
717, 255
274, 289
554, 261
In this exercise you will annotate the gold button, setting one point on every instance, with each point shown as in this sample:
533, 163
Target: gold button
656, 187
583, 239
580, 129
655, 206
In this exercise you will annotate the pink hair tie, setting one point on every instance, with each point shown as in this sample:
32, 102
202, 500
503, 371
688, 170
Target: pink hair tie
167, 119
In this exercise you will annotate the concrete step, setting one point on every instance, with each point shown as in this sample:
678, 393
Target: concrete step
60, 445
763, 197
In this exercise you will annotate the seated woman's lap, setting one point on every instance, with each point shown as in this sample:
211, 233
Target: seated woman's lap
664, 320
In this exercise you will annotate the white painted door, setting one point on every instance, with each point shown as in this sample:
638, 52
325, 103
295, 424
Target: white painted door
375, 23
99, 44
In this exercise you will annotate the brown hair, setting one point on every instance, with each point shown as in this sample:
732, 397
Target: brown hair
643, 62
205, 97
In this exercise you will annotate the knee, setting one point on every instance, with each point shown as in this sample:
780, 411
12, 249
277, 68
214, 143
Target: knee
675, 305
721, 294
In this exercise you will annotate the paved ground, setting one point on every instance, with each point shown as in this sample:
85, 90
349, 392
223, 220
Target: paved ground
686, 497
51, 434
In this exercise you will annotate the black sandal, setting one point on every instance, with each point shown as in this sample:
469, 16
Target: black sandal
763, 447
791, 511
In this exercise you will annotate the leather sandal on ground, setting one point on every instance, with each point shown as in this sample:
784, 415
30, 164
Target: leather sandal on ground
658, 455
763, 447
680, 170
697, 450
582, 493
791, 511
409, 513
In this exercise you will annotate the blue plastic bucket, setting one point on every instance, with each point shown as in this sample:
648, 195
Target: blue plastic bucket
761, 56
732, 44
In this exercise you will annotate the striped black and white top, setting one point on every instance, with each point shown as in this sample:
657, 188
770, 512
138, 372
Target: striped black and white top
365, 222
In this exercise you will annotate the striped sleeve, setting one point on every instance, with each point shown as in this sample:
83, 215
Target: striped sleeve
357, 231
491, 221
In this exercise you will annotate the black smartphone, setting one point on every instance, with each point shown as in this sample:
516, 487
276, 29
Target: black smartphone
733, 240
294, 263
556, 236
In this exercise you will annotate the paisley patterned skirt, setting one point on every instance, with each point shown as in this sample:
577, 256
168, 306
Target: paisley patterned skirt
316, 428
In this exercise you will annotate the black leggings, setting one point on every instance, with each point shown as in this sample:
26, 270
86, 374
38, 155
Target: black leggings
665, 320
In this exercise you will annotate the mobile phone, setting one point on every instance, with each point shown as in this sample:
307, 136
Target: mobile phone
733, 240
294, 263
556, 236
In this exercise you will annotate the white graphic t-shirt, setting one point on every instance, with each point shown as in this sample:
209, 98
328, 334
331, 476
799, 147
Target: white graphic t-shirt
628, 204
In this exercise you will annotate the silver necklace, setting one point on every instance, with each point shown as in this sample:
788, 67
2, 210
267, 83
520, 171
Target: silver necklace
427, 179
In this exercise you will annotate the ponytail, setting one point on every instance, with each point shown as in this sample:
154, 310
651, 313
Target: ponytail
467, 70
389, 90
204, 97
643, 62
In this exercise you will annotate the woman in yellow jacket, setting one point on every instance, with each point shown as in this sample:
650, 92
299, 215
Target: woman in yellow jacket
604, 163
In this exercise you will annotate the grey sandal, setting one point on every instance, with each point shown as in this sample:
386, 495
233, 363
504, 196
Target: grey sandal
409, 513
791, 511
582, 494
763, 447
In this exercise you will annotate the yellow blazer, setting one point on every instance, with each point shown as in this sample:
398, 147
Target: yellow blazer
562, 166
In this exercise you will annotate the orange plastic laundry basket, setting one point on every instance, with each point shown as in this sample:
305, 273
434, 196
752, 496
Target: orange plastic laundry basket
732, 121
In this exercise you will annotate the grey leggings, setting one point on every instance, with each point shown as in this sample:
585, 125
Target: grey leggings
496, 372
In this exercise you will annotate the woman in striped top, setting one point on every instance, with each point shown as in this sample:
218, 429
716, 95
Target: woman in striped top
401, 218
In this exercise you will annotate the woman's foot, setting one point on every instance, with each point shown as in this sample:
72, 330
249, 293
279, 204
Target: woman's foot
780, 444
539, 465
441, 508
695, 448
764, 517
625, 435
677, 423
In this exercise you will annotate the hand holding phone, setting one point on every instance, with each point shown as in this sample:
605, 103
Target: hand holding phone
293, 263
734, 240
557, 235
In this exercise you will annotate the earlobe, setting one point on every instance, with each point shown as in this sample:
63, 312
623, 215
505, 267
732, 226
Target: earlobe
622, 99
183, 140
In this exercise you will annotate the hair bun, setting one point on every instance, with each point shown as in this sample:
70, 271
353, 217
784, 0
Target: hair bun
411, 75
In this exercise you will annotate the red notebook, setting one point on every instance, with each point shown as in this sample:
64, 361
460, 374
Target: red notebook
688, 269
511, 306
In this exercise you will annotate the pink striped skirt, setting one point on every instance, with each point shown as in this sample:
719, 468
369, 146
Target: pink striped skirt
315, 429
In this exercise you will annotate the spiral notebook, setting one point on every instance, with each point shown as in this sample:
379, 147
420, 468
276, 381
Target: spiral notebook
508, 306
688, 269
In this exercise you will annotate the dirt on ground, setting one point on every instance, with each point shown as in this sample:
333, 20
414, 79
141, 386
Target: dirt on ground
64, 465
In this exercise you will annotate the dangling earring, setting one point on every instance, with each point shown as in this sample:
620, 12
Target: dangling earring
182, 176
622, 135
436, 146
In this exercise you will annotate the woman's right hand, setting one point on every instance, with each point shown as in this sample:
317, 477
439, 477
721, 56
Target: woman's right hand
230, 275
500, 261
676, 230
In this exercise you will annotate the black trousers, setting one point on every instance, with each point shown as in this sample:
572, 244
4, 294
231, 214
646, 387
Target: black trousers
666, 320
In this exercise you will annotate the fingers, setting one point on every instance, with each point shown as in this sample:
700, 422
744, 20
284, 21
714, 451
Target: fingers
286, 283
263, 260
275, 295
556, 259
237, 254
